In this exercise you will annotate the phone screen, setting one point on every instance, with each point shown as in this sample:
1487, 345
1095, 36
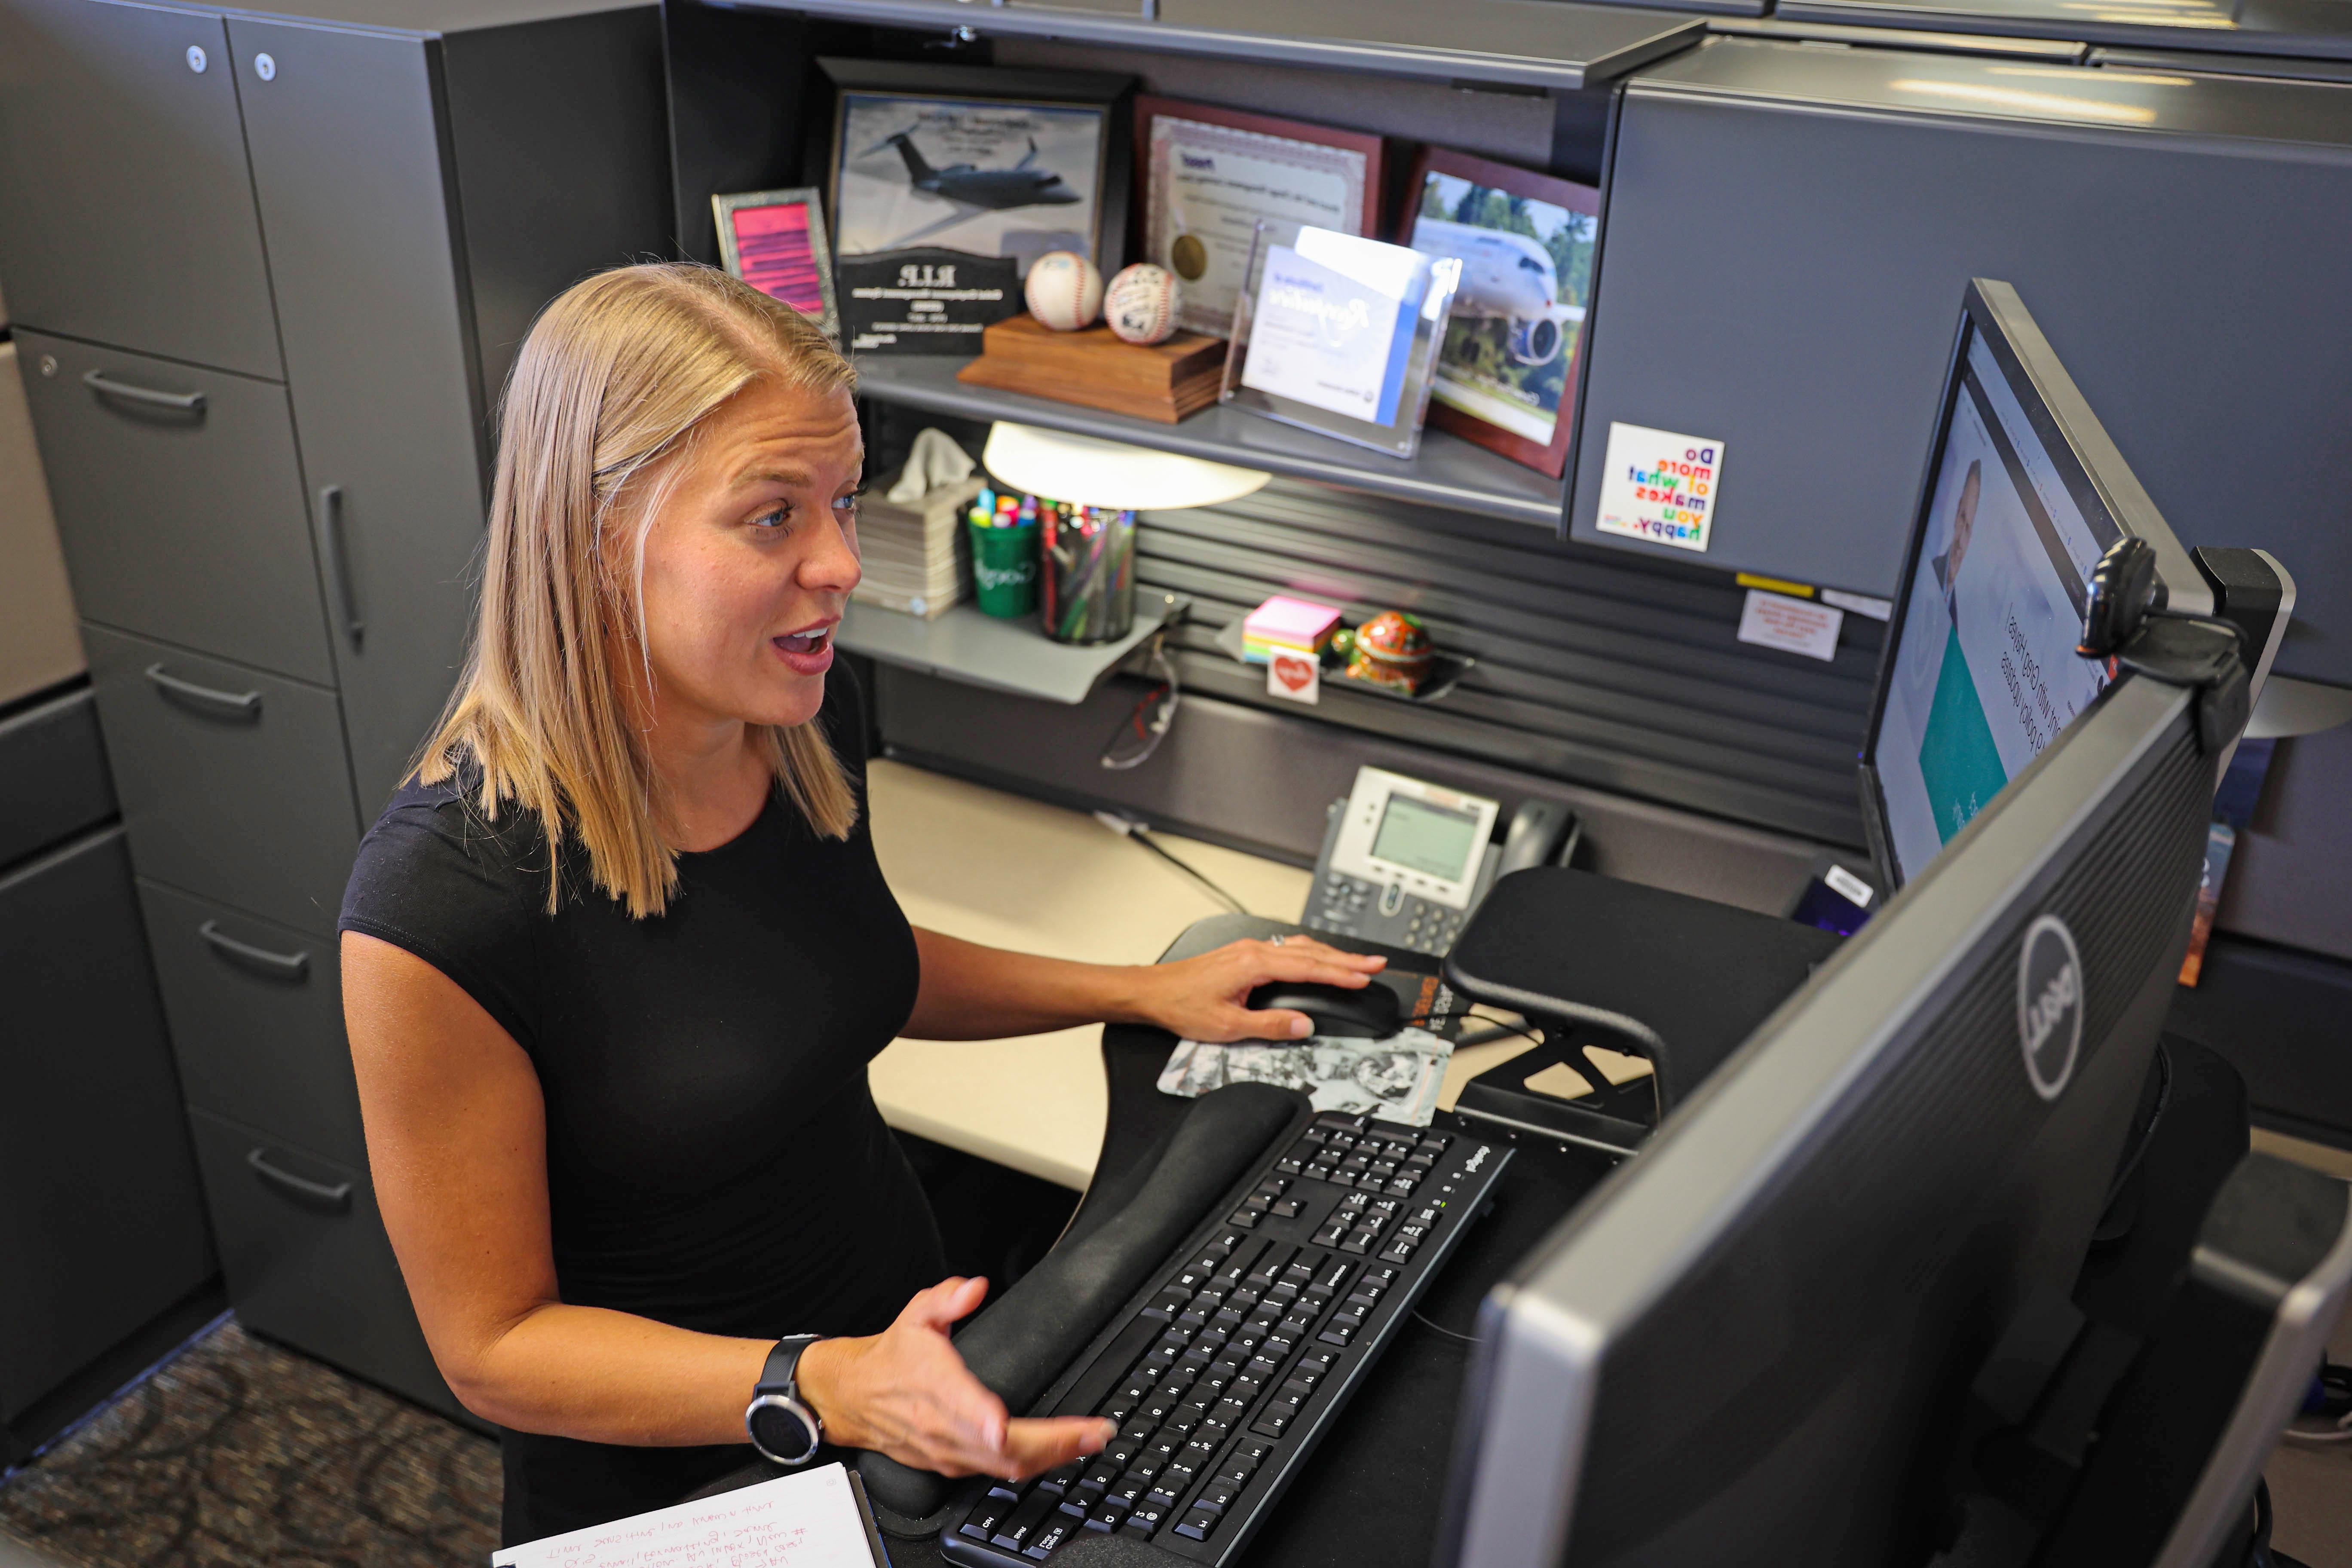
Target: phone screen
1427, 838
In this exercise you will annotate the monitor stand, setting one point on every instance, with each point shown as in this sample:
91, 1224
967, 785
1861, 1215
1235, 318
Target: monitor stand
1595, 962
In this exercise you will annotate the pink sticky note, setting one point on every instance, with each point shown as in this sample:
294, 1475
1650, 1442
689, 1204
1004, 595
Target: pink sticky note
1294, 623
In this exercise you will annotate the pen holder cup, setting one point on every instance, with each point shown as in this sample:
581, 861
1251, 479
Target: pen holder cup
1004, 569
1089, 576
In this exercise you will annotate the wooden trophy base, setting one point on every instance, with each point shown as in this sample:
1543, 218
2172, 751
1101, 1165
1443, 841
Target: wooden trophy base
1162, 382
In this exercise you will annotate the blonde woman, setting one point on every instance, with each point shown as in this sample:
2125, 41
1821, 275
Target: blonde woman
616, 957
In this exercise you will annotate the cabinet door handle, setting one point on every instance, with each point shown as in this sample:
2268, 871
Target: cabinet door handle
288, 965
98, 381
336, 1198
243, 704
339, 566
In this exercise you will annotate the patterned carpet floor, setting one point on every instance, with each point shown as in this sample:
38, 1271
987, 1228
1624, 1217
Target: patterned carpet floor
238, 1453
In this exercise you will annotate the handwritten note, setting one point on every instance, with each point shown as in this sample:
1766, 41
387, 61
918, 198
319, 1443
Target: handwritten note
1793, 626
807, 1520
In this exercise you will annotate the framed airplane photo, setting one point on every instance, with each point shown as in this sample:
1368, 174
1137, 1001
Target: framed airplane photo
1000, 163
1506, 373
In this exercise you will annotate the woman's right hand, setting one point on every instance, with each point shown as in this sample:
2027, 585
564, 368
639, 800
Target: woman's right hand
906, 1393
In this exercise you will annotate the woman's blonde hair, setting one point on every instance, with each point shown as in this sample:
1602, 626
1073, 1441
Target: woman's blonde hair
615, 379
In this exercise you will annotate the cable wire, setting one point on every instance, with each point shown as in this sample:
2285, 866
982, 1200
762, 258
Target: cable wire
1143, 836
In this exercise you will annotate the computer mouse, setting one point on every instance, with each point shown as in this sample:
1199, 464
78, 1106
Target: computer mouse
1371, 1014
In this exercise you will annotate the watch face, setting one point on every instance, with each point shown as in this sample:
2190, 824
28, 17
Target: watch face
780, 1429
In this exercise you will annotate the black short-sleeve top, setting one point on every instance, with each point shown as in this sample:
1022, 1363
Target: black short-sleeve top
714, 1157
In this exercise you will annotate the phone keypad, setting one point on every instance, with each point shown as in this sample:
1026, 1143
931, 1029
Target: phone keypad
1350, 906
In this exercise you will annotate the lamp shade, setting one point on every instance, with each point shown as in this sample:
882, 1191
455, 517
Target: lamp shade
1087, 471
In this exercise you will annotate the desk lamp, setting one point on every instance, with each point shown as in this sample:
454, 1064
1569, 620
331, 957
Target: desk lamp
1087, 470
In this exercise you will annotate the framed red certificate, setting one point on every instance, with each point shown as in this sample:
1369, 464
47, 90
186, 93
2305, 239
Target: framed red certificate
1209, 177
774, 240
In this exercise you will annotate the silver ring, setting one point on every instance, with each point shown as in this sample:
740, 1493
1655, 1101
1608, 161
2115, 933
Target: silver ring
1275, 941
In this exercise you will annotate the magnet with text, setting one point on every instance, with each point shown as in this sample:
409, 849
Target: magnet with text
1661, 486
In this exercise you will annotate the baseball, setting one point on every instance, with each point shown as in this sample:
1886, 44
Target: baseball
1142, 302
1065, 291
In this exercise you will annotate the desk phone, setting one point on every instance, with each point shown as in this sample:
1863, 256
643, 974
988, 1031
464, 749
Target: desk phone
1404, 861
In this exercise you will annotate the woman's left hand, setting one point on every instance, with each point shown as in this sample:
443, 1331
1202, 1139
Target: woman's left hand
1207, 998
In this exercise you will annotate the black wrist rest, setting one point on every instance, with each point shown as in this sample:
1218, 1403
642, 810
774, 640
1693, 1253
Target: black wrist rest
1026, 1338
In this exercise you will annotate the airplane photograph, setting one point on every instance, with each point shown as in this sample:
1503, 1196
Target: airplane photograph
990, 178
1525, 265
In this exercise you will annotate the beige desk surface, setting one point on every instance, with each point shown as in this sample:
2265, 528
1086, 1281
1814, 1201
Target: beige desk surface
1013, 872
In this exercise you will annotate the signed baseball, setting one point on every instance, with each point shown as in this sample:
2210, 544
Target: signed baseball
1142, 302
1065, 291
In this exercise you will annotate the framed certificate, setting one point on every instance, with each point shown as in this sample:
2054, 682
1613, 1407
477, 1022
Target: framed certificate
1338, 333
774, 240
1506, 374
1209, 177
1005, 163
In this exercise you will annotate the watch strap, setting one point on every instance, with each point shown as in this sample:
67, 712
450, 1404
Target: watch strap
781, 1374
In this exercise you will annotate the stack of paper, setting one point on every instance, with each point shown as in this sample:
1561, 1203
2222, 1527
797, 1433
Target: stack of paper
915, 555
812, 1519
1297, 626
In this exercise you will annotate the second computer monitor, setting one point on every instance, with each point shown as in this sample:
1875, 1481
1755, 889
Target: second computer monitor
1752, 1346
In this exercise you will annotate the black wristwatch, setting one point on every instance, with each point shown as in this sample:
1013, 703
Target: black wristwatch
783, 1428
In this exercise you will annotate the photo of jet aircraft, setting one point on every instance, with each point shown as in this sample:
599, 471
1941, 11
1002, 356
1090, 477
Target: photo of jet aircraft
1508, 278
969, 189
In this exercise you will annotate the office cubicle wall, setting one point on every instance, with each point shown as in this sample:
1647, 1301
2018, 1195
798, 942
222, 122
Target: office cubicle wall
1790, 231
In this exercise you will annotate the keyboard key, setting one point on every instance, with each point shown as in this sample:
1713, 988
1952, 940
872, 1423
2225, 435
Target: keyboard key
1297, 1323
1332, 1279
1221, 1493
1313, 1364
1231, 1410
1198, 1523
1242, 1218
1360, 1241
1400, 1252
1103, 1471
1050, 1535
1263, 1368
1059, 1481
1257, 1204
1165, 1307
1024, 1521
1160, 1500
1129, 1488
987, 1516
1333, 1235
1401, 1187
1085, 1497
1106, 1514
1288, 1208
1270, 1425
1291, 1165
1141, 1521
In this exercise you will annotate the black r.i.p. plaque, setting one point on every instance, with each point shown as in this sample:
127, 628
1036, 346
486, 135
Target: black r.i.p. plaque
924, 302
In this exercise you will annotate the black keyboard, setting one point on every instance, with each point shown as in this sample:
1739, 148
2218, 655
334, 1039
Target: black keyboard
1266, 1325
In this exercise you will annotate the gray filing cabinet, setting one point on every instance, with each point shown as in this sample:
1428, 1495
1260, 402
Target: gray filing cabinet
268, 275
101, 1225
